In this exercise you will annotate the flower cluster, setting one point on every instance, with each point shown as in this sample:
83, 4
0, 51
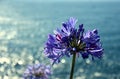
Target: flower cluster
69, 40
37, 71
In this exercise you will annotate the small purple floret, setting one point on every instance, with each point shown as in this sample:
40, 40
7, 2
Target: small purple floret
37, 71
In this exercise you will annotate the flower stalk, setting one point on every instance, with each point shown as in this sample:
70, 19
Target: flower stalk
72, 66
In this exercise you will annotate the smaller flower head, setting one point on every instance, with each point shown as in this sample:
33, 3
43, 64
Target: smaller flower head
37, 71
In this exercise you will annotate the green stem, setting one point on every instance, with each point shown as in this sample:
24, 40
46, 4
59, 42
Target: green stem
73, 65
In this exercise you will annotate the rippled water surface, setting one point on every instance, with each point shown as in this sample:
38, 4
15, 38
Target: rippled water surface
24, 26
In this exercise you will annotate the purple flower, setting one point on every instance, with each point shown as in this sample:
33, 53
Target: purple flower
69, 40
93, 45
37, 71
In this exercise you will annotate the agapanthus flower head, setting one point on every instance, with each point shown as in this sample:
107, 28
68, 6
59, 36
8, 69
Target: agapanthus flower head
69, 40
37, 71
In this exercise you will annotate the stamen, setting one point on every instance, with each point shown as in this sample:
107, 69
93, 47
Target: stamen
78, 42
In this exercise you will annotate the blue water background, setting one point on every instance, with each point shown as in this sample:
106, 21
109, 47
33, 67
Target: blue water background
25, 25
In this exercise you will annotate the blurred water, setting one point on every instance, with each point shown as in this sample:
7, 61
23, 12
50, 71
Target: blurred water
24, 27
